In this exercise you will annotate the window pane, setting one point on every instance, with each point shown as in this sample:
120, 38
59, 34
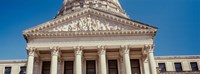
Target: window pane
7, 70
23, 70
46, 67
69, 65
68, 71
178, 67
135, 66
135, 71
135, 63
90, 67
113, 71
162, 67
194, 66
113, 67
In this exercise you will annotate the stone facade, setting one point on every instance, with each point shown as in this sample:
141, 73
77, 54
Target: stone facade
89, 37
168, 60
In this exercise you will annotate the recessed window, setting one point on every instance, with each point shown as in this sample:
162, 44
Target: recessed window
112, 66
162, 67
7, 70
69, 67
194, 66
178, 67
135, 66
46, 67
90, 67
22, 70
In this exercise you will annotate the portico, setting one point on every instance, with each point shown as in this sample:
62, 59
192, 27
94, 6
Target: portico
80, 54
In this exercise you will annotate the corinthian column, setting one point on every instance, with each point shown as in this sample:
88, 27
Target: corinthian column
102, 55
30, 64
126, 57
78, 60
150, 55
54, 60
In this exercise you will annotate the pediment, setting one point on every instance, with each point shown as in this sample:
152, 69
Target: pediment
89, 23
88, 20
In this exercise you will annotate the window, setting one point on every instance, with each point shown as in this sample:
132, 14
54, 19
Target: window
135, 66
69, 66
178, 67
194, 66
113, 67
7, 70
90, 67
46, 67
162, 67
22, 70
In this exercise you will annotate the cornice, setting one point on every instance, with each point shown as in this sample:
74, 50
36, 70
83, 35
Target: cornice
13, 61
177, 57
90, 33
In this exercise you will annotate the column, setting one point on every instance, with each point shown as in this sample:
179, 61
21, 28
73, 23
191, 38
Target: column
126, 58
54, 60
30, 64
78, 60
151, 60
102, 56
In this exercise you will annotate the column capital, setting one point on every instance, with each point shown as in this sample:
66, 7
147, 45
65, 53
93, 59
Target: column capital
101, 50
31, 51
125, 49
55, 51
150, 48
78, 50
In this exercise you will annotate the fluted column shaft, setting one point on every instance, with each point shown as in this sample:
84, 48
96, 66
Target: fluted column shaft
126, 58
54, 60
102, 56
30, 64
152, 64
78, 60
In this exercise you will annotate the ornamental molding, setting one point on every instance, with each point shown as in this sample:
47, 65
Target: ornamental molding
90, 33
149, 48
177, 57
125, 49
31, 51
78, 50
55, 51
118, 19
101, 50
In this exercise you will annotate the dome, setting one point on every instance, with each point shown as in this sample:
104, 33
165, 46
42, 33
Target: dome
109, 6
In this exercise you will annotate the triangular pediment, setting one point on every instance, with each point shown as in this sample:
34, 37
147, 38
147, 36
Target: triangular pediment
89, 23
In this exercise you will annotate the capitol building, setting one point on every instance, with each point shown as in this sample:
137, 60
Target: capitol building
95, 37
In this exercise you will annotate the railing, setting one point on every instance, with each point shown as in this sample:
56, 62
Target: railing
174, 72
183, 72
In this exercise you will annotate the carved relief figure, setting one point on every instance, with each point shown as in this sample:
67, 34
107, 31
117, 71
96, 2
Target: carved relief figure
86, 24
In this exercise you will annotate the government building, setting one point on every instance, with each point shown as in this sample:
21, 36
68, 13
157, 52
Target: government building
95, 37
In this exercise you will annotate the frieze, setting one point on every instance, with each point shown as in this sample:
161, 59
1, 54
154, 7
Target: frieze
87, 24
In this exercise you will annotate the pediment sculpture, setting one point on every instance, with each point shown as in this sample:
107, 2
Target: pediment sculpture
87, 24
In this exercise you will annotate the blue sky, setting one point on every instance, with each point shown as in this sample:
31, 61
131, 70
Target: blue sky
178, 22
